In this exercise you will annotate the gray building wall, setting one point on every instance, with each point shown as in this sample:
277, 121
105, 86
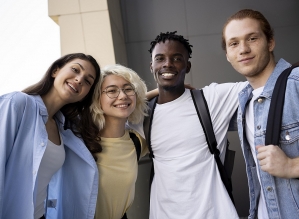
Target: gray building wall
201, 21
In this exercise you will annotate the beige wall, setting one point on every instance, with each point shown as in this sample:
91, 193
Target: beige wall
90, 26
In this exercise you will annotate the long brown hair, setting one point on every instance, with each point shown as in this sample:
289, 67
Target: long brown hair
77, 115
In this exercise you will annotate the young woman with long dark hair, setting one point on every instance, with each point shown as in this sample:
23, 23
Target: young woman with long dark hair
46, 169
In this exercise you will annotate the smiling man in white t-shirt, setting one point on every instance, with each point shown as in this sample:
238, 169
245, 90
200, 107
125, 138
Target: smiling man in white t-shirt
186, 183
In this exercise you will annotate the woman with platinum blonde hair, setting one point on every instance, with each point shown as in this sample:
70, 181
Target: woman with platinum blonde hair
120, 97
137, 84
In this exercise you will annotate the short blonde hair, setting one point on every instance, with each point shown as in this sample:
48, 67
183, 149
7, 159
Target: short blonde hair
130, 76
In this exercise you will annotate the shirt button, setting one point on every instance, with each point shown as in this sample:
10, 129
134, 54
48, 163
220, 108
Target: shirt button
42, 144
260, 100
258, 127
269, 189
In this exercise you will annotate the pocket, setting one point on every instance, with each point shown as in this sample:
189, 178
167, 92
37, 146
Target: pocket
289, 134
289, 140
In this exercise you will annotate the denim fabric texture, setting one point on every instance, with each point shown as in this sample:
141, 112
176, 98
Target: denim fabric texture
281, 195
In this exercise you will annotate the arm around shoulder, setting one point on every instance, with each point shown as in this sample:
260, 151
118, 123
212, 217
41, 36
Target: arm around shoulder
152, 93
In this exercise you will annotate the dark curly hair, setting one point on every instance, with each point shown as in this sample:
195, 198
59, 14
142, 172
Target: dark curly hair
162, 37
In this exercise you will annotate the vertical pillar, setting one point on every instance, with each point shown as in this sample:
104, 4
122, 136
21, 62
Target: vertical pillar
90, 26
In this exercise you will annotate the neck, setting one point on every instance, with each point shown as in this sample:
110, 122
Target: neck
113, 128
259, 80
169, 94
51, 105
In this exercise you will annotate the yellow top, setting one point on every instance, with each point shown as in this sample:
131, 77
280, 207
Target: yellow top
117, 164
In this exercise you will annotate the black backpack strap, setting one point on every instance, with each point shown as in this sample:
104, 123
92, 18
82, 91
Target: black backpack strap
276, 107
137, 144
147, 127
203, 113
147, 124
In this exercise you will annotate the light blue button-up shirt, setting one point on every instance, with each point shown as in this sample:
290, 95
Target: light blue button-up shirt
281, 195
23, 140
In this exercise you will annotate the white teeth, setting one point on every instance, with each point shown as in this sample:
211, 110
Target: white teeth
167, 74
122, 106
73, 87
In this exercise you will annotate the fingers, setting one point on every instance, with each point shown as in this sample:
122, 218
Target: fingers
273, 160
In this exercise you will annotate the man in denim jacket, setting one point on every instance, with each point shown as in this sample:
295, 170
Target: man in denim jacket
272, 170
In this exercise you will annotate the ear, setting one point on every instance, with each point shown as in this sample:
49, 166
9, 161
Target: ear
151, 67
227, 57
152, 71
54, 73
188, 67
271, 45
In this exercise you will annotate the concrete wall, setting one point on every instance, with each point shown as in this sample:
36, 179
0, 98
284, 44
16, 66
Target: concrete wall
94, 27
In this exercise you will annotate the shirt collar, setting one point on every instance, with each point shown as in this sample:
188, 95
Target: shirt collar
43, 110
269, 86
279, 68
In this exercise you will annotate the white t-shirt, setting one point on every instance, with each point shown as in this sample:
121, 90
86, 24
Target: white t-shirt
51, 162
187, 183
262, 209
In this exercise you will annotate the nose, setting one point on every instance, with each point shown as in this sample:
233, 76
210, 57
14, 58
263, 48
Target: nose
244, 48
79, 79
122, 95
168, 63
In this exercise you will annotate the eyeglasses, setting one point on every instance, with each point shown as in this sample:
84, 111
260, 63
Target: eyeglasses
114, 91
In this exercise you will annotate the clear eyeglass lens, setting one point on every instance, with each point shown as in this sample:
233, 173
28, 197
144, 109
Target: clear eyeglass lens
113, 92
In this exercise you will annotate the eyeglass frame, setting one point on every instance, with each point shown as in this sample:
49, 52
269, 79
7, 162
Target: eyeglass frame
119, 89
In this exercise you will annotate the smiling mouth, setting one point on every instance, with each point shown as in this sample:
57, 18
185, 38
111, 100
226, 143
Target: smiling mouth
246, 59
168, 75
123, 106
72, 87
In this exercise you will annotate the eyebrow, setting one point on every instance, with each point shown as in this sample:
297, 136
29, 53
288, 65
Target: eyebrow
247, 35
231, 39
176, 54
112, 85
159, 54
89, 75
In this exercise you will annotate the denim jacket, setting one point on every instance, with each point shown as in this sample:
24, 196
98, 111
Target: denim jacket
72, 191
281, 195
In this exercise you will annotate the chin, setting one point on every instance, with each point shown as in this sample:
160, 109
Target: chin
167, 86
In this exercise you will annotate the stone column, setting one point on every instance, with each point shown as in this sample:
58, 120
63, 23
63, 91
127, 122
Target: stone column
90, 26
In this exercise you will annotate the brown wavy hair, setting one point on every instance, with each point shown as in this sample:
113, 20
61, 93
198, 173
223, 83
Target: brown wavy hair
77, 115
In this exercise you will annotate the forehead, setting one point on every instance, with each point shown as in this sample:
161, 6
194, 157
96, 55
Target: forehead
114, 80
169, 47
88, 67
240, 28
